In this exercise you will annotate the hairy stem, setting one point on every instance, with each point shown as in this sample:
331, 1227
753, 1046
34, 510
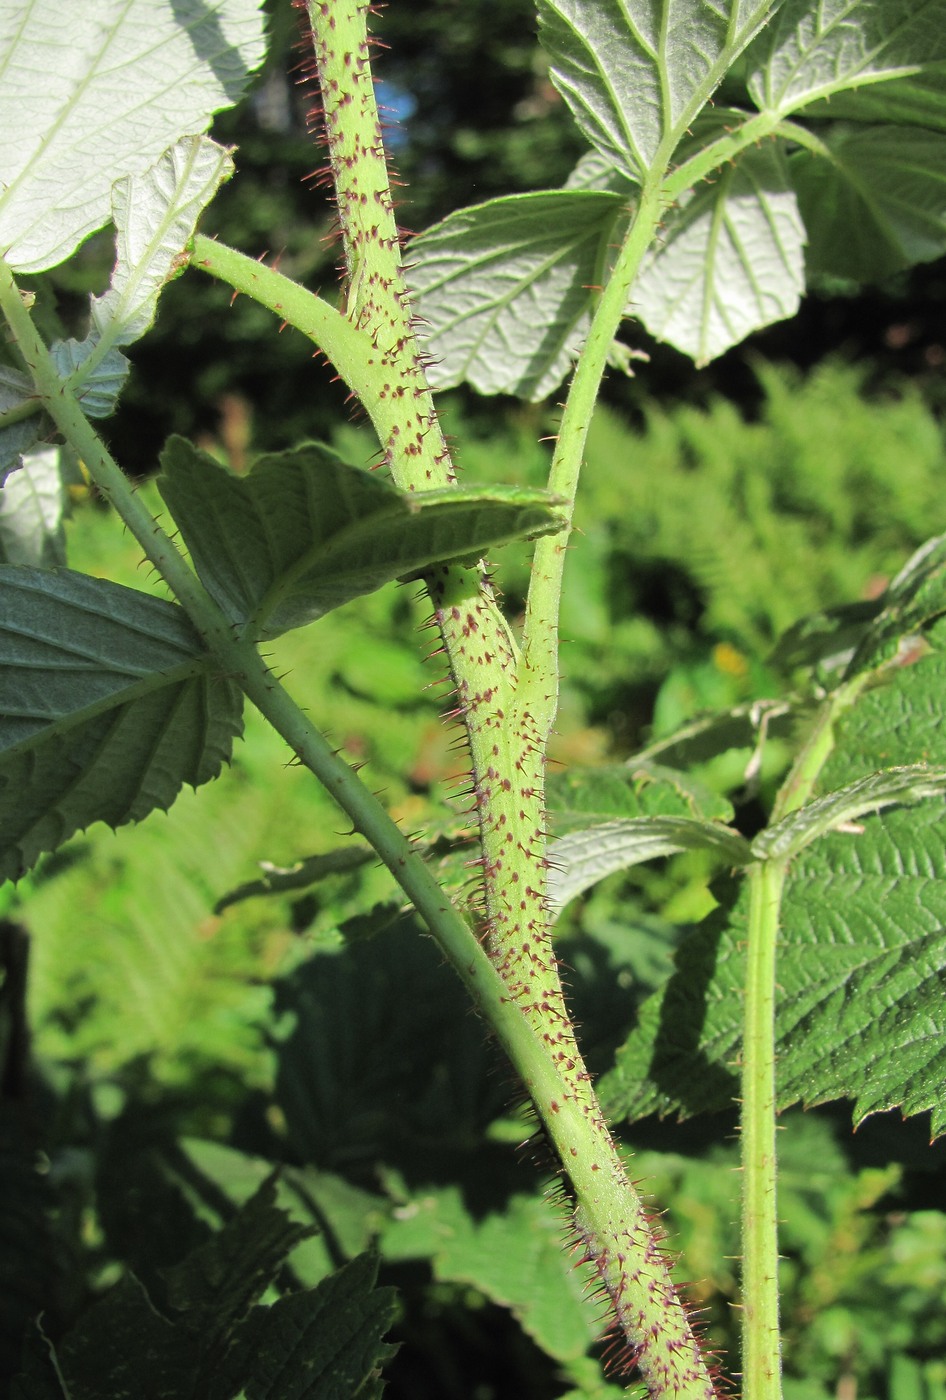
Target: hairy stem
507, 739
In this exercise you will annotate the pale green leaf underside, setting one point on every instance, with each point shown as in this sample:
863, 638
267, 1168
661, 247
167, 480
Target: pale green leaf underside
85, 99
502, 289
108, 706
305, 533
582, 797
878, 204
731, 260
32, 505
582, 858
155, 214
892, 786
635, 73
915, 101
810, 51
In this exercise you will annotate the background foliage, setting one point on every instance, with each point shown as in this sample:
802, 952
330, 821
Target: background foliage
168, 1054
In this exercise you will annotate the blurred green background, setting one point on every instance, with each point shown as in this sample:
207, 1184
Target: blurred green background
161, 1055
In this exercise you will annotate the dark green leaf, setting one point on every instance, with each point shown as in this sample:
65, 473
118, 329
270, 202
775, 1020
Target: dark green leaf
214, 1288
516, 1257
123, 1349
108, 705
811, 51
635, 74
503, 289
877, 203
305, 532
319, 1345
861, 954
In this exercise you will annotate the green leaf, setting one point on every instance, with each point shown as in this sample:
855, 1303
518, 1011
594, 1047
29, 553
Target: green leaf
877, 203
32, 506
305, 532
123, 1347
811, 51
911, 604
502, 289
582, 858
916, 101
318, 1345
638, 788
16, 390
890, 787
635, 74
86, 100
731, 260
108, 705
214, 1288
861, 954
155, 214
515, 1256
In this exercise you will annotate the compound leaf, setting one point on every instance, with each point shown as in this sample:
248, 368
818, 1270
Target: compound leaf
304, 532
502, 289
635, 74
85, 100
877, 204
109, 704
861, 954
811, 51
731, 260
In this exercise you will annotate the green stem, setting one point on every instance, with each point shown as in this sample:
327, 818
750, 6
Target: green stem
761, 1364
539, 684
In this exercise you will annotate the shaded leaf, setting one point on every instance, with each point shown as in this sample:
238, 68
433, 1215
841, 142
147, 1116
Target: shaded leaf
514, 1256
108, 705
32, 506
123, 1347
305, 532
730, 262
86, 100
638, 788
98, 381
214, 1288
914, 101
16, 390
318, 1345
635, 74
503, 289
877, 204
811, 51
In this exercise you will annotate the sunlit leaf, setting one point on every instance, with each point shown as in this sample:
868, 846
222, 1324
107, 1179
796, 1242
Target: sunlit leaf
32, 507
730, 260
503, 289
812, 51
636, 74
86, 99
